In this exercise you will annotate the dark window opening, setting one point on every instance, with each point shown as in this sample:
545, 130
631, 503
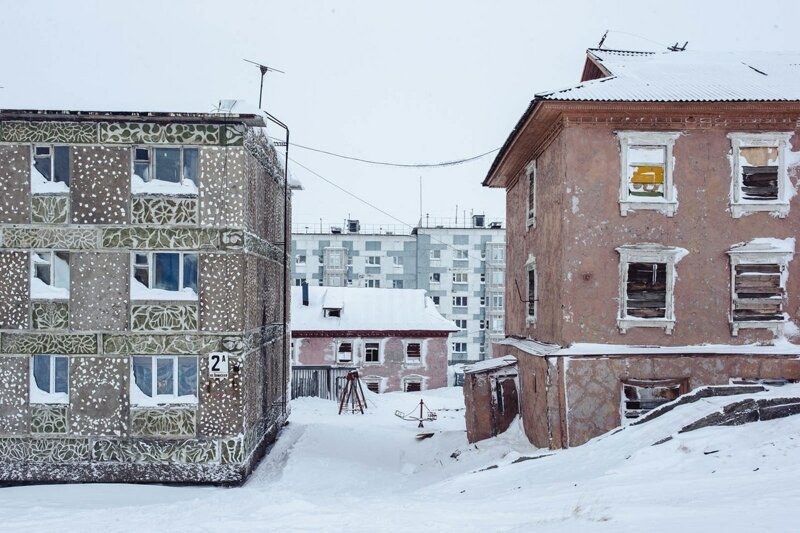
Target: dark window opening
372, 352
413, 386
345, 351
333, 312
760, 183
646, 290
758, 293
374, 386
498, 392
413, 349
641, 396
531, 292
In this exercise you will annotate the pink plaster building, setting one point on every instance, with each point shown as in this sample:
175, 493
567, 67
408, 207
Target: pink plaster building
396, 339
651, 233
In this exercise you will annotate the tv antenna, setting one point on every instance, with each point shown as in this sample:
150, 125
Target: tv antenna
264, 69
602, 40
676, 48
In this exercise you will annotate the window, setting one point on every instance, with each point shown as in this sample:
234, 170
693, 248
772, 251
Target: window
49, 275
373, 260
498, 324
759, 272
460, 277
483, 301
530, 172
334, 260
642, 395
332, 312
372, 352
647, 277
760, 179
498, 254
50, 172
646, 180
412, 384
461, 323
482, 324
459, 347
334, 280
298, 282
436, 277
459, 301
483, 275
498, 276
344, 352
300, 260
164, 379
497, 301
373, 384
373, 283
164, 276
458, 253
435, 300
397, 261
49, 379
165, 170
530, 267
397, 283
413, 351
436, 255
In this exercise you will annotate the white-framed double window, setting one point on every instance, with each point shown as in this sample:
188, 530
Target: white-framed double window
497, 301
533, 289
460, 277
459, 347
49, 275
372, 352
164, 275
49, 379
435, 256
300, 260
647, 286
461, 323
163, 379
460, 301
460, 253
50, 171
530, 182
373, 260
165, 170
760, 180
646, 178
372, 283
759, 275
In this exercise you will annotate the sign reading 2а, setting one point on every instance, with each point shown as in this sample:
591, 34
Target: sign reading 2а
218, 365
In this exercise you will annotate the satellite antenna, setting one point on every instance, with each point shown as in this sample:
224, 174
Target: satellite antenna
264, 69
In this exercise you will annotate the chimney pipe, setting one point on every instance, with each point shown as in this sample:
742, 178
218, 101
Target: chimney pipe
305, 293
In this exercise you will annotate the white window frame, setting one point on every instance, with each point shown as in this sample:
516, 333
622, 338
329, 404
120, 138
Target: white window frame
151, 270
458, 344
460, 254
648, 253
380, 352
297, 260
752, 255
339, 343
52, 148
397, 261
460, 277
661, 139
435, 255
372, 283
741, 207
165, 398
411, 359
530, 195
52, 272
434, 281
530, 265
53, 397
459, 326
372, 260
152, 165
457, 299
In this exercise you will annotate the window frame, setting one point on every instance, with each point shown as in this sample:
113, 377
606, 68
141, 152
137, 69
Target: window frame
152, 166
55, 398
459, 326
681, 384
661, 139
420, 380
457, 299
462, 344
151, 271
373, 380
32, 273
780, 206
530, 195
414, 359
339, 344
365, 355
648, 253
460, 277
165, 399
530, 266
52, 148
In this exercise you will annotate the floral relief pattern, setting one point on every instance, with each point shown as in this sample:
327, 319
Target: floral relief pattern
49, 419
135, 133
160, 344
164, 317
169, 422
163, 211
49, 209
62, 238
48, 132
155, 451
160, 238
50, 315
38, 343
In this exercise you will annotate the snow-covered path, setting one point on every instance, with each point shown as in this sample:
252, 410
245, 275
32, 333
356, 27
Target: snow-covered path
369, 473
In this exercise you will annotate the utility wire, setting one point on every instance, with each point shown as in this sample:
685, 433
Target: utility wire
402, 165
638, 36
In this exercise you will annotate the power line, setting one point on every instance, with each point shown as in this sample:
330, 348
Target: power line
402, 165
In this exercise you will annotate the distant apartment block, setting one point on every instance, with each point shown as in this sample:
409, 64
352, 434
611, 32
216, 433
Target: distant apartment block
460, 263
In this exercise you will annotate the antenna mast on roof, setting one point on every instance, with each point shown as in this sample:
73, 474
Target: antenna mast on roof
264, 69
602, 40
676, 48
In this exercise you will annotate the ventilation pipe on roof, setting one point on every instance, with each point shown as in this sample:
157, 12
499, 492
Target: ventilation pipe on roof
304, 285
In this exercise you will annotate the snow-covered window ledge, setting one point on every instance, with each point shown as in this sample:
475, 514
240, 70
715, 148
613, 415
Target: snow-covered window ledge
647, 286
759, 275
646, 168
759, 177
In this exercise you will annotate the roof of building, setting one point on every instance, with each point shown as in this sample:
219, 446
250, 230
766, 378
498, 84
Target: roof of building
688, 76
367, 310
75, 115
490, 364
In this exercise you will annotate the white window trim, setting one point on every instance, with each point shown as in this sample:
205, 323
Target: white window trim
779, 207
530, 170
648, 253
52, 147
750, 256
414, 379
413, 360
453, 346
161, 399
374, 379
157, 294
191, 190
32, 275
530, 264
59, 398
664, 139
352, 344
380, 352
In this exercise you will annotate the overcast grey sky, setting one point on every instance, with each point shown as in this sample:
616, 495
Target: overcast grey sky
412, 81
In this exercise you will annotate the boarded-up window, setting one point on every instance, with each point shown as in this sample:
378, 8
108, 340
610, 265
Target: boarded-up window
412, 385
646, 171
345, 351
641, 396
759, 167
413, 350
646, 290
531, 292
374, 385
758, 293
532, 192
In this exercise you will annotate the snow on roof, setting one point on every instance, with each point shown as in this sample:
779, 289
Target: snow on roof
490, 364
765, 245
689, 76
367, 310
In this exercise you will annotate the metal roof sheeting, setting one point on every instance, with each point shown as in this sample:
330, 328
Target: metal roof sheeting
689, 76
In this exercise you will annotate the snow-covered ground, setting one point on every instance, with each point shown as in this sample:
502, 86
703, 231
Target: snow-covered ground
369, 473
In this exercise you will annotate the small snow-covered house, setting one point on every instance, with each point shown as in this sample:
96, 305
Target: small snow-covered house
651, 225
142, 281
396, 339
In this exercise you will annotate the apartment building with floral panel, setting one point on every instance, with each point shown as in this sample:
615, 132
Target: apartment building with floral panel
651, 225
141, 296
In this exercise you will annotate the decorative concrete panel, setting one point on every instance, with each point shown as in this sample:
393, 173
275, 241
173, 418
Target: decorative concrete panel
57, 238
220, 409
222, 283
14, 450
164, 422
101, 185
160, 238
50, 209
164, 317
48, 343
222, 187
59, 450
49, 315
155, 451
49, 419
232, 240
15, 184
99, 395
13, 395
137, 133
163, 211
14, 290
160, 344
232, 451
48, 132
233, 134
99, 291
